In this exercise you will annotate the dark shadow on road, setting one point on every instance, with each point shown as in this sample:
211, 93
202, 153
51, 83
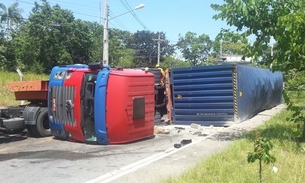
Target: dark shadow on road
279, 132
229, 135
46, 155
7, 138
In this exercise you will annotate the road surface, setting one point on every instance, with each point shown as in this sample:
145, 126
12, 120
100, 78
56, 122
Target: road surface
26, 160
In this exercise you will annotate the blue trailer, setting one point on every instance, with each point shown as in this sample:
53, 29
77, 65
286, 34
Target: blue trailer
222, 95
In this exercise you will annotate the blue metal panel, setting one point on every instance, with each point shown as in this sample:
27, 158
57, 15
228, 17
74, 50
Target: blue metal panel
100, 107
56, 128
203, 95
257, 89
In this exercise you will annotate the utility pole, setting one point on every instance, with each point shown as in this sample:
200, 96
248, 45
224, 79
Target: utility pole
221, 47
105, 36
159, 41
100, 9
271, 50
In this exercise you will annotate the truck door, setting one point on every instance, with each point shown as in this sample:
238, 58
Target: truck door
87, 107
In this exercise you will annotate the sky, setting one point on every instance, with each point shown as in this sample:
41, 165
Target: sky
173, 17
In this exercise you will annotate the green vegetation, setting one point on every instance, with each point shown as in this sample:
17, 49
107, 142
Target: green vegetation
278, 27
231, 165
6, 97
52, 36
262, 146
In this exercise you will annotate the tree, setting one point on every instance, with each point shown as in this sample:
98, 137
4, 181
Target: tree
147, 49
267, 20
97, 40
171, 62
10, 16
262, 147
281, 21
50, 31
3, 59
126, 59
52, 36
230, 43
80, 44
195, 49
121, 52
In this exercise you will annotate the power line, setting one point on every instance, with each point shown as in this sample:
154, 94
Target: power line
70, 6
137, 18
75, 4
127, 6
120, 23
74, 12
85, 8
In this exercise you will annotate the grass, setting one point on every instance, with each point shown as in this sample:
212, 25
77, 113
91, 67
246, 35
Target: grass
231, 166
6, 97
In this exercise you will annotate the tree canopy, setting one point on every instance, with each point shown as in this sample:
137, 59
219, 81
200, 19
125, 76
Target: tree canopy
268, 20
53, 36
10, 16
145, 44
230, 43
195, 48
279, 23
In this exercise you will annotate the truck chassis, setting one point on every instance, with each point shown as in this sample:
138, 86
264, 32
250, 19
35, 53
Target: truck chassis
32, 116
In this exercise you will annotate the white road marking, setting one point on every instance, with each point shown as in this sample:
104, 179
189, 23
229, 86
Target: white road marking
108, 177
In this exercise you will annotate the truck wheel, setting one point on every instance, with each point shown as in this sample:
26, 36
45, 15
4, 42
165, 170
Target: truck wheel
42, 128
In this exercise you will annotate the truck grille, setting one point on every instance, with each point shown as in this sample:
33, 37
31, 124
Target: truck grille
62, 104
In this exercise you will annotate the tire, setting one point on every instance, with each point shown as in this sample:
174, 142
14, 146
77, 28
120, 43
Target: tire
42, 128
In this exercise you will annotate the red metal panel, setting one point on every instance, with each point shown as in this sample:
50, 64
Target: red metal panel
31, 95
123, 87
76, 81
29, 90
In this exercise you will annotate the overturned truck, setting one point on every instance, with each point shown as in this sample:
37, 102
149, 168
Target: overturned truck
86, 103
100, 105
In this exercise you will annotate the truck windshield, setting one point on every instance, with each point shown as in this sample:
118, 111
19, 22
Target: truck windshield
88, 106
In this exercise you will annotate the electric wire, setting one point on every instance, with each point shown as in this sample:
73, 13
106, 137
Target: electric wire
76, 4
70, 6
118, 22
127, 6
74, 12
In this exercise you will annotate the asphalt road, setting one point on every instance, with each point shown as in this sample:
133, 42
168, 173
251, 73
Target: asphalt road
26, 160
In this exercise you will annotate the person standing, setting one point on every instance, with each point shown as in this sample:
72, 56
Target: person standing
162, 73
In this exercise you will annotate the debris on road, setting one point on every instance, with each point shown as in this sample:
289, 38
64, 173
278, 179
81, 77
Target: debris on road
193, 129
160, 130
183, 143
